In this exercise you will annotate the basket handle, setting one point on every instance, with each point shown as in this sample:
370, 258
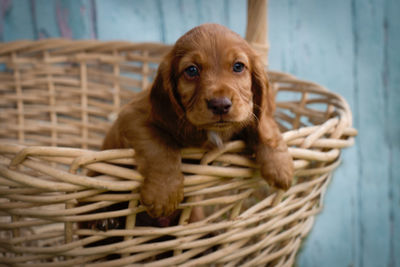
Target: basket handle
257, 30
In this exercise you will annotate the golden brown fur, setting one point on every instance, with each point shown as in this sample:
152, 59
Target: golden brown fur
228, 97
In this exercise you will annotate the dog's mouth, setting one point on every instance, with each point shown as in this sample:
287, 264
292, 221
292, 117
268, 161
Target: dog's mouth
218, 125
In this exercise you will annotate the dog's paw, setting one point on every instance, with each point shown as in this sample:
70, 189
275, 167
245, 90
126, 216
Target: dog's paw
277, 169
161, 199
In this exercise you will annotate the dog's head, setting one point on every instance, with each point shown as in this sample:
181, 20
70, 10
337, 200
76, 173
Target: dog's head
213, 79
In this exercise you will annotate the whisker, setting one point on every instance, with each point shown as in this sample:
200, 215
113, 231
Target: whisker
257, 106
255, 117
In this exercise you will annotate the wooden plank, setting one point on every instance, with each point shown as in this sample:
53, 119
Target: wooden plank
76, 18
229, 13
174, 26
16, 21
132, 20
236, 16
313, 49
392, 99
67, 19
211, 11
280, 30
5, 7
45, 19
374, 203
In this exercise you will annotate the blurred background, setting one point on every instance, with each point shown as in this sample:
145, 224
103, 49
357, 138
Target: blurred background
350, 46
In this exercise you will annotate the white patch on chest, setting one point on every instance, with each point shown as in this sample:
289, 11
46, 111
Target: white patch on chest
215, 139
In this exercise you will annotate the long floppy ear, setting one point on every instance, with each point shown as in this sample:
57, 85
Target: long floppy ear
276, 164
263, 96
166, 106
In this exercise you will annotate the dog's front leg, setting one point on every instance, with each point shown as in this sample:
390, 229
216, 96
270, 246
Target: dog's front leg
276, 163
160, 164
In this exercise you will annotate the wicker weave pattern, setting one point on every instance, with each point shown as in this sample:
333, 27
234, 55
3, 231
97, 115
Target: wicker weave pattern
57, 99
54, 78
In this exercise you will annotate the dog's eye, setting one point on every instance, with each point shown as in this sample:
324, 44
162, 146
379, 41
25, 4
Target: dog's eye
238, 67
192, 72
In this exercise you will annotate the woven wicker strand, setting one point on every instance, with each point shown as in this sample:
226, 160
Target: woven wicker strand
57, 100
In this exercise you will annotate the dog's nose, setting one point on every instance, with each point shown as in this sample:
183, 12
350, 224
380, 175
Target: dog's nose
220, 105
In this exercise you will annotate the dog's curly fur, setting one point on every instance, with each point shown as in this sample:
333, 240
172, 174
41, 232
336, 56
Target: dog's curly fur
210, 88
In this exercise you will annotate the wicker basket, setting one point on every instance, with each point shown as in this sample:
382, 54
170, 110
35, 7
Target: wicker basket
57, 99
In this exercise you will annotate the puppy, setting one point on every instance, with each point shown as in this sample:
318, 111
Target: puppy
210, 88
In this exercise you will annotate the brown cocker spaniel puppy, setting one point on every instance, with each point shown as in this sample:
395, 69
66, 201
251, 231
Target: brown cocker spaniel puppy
210, 88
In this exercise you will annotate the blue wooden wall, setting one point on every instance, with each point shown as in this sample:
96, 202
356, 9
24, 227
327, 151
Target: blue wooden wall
350, 46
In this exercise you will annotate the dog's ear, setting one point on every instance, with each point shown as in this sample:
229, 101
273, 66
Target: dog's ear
165, 102
276, 164
263, 96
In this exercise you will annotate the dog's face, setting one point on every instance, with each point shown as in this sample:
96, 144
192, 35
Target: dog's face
213, 78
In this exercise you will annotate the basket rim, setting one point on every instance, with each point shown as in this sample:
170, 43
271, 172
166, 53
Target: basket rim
63, 45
